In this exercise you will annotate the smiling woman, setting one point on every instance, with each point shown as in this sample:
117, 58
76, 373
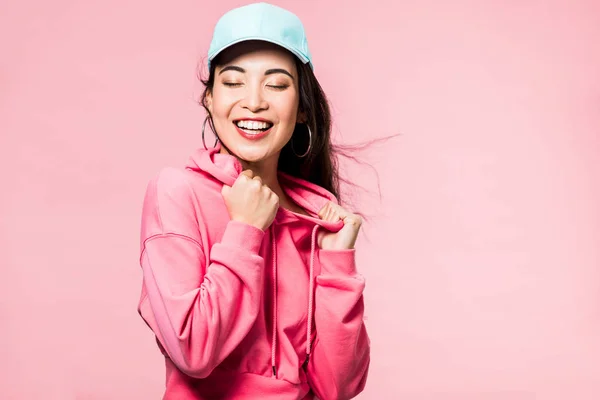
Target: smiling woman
250, 283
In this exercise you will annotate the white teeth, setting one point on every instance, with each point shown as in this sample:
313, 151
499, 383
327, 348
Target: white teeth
254, 125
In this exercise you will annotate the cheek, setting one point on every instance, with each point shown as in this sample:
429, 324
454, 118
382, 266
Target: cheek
221, 104
287, 108
221, 110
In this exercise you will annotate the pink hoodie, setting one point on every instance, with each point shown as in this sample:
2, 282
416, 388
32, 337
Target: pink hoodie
229, 303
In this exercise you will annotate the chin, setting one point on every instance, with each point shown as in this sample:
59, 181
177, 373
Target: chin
251, 153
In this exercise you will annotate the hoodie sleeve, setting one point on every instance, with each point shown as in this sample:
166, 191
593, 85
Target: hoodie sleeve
339, 363
199, 313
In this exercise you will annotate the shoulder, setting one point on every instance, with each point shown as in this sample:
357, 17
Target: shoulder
169, 185
171, 180
169, 203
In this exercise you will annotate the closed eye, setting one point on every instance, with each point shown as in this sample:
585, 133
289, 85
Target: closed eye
232, 84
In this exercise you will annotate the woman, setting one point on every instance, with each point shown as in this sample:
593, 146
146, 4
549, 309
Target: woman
249, 277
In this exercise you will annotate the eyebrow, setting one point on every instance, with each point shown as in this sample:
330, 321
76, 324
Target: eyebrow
267, 72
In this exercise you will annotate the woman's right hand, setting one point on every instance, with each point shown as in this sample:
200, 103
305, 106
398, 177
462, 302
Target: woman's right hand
251, 202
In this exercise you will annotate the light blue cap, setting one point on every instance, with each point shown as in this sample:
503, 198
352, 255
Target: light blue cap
260, 21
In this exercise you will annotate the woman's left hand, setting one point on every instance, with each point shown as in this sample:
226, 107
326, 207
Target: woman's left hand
345, 237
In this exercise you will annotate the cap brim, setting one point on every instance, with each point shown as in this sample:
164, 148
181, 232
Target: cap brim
301, 56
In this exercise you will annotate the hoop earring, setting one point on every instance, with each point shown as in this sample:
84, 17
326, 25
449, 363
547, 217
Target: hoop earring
203, 128
309, 144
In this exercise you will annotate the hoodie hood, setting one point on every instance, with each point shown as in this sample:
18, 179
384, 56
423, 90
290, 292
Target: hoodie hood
226, 169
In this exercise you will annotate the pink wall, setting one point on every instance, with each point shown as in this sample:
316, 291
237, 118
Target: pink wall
482, 260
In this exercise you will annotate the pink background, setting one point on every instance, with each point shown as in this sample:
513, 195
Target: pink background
482, 259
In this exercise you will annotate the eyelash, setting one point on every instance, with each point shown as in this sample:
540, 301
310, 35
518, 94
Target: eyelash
277, 87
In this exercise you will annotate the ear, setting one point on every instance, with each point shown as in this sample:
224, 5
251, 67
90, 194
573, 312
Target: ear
208, 100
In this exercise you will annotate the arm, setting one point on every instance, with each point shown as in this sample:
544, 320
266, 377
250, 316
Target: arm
198, 312
339, 363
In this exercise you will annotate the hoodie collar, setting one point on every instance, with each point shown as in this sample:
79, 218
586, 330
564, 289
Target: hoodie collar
226, 169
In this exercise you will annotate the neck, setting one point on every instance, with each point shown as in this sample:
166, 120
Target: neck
266, 169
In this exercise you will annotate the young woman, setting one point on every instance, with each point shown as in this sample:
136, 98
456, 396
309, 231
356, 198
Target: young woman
249, 277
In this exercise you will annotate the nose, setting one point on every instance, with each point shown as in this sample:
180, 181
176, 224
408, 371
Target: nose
254, 100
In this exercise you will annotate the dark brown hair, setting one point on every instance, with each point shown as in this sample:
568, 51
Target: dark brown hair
320, 165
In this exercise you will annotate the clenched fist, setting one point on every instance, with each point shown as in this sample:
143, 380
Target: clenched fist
346, 237
250, 201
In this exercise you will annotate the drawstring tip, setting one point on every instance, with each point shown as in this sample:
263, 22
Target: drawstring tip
274, 372
305, 363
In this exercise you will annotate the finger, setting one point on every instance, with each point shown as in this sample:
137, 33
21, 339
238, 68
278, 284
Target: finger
225, 190
330, 216
248, 173
352, 219
342, 212
275, 198
334, 215
258, 178
326, 214
323, 211
349, 217
266, 191
256, 184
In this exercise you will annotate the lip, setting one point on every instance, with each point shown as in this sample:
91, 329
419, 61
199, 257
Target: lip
256, 136
257, 119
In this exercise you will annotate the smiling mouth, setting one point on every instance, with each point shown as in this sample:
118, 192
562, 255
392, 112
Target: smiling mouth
253, 127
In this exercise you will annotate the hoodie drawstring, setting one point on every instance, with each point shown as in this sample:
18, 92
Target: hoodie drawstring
311, 289
274, 338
